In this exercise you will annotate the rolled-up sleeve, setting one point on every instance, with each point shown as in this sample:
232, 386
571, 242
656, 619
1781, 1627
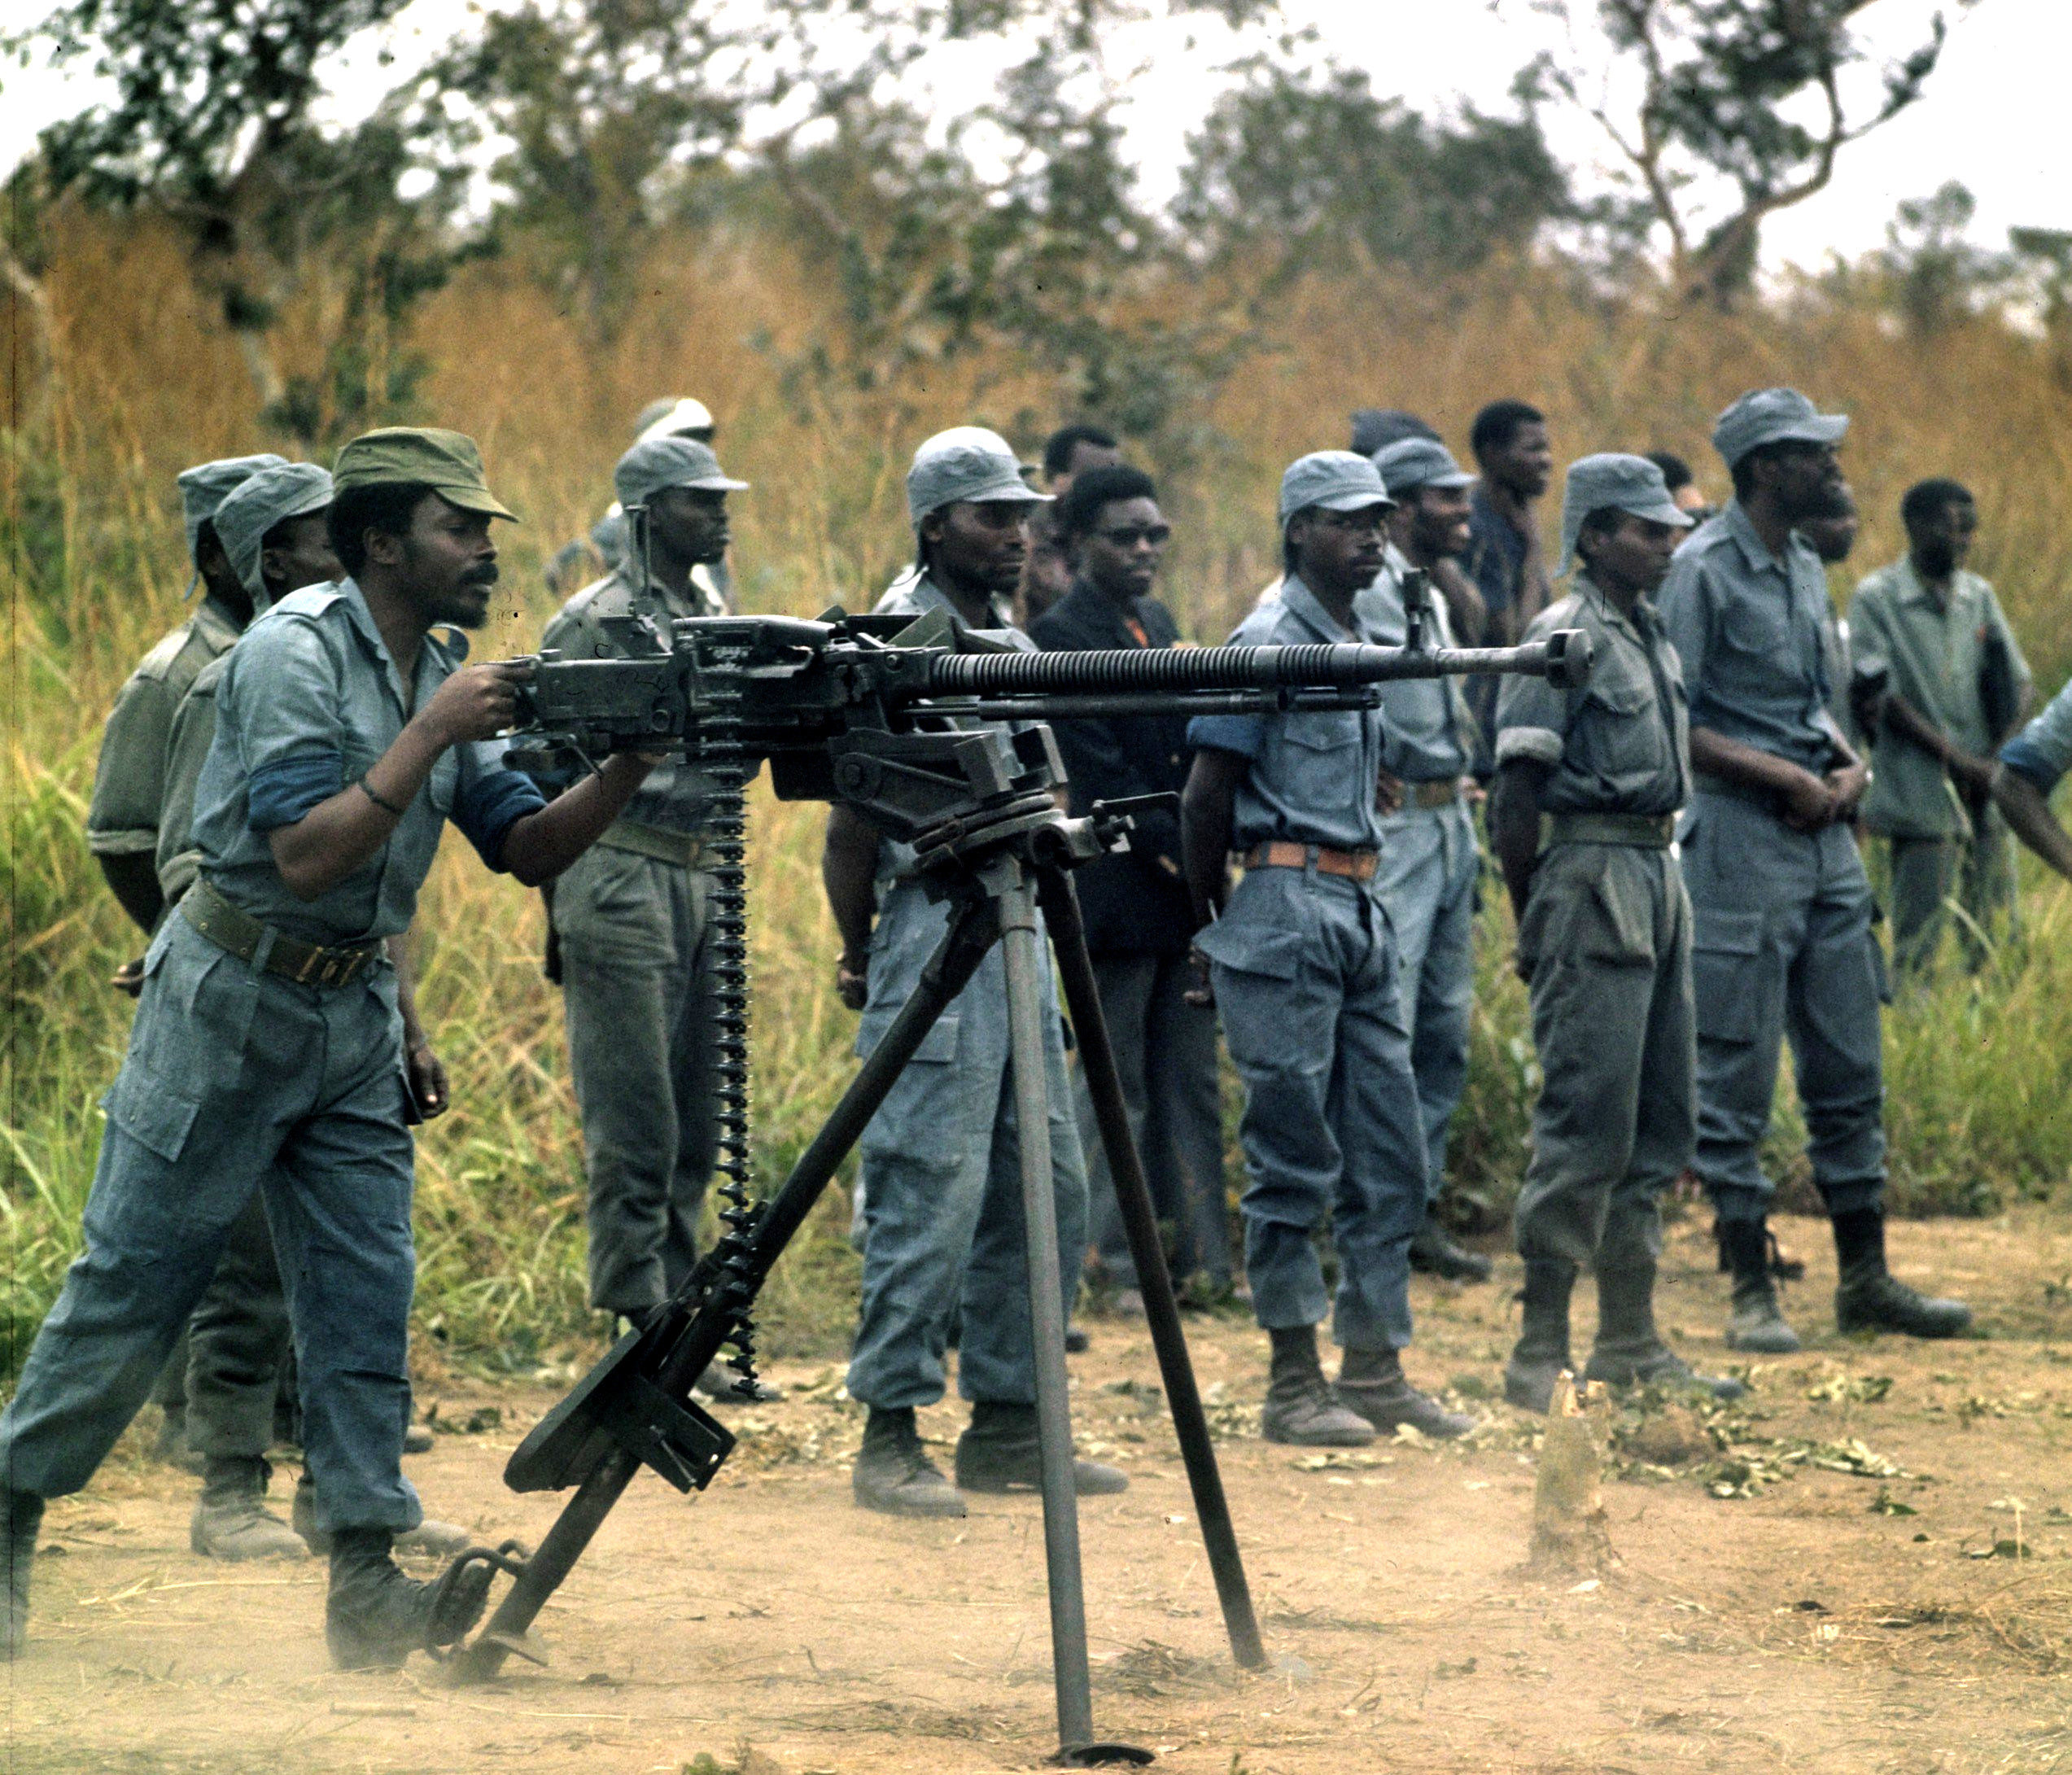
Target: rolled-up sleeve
493, 798
1244, 734
1532, 718
282, 703
2042, 751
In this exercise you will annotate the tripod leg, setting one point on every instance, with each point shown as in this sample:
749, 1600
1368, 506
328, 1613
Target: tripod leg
1060, 902
948, 972
1024, 961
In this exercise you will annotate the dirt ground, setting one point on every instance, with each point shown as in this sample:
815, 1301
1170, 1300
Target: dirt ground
1887, 1589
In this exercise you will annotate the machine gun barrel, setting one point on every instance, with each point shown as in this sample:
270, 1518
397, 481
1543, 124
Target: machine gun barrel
1563, 659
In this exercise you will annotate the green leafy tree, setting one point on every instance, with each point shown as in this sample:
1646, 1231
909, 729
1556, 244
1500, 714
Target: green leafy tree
1702, 101
1297, 168
215, 121
1014, 218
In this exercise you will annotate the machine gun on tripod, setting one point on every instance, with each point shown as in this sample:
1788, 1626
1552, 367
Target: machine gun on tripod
905, 721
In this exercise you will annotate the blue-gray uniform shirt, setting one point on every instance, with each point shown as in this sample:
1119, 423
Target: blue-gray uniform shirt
915, 594
1748, 627
1314, 772
1426, 721
2042, 751
309, 701
676, 797
1619, 744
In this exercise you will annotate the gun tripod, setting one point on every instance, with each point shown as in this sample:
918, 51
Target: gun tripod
1000, 855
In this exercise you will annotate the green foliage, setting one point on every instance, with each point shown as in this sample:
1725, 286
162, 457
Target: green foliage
1717, 143
1311, 169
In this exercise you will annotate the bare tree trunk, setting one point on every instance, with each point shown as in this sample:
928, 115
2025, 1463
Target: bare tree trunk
30, 361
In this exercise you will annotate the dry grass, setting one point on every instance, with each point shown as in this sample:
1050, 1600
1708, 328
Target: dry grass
1980, 1069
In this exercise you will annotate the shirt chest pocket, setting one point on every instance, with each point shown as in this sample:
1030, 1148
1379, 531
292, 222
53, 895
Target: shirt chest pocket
1761, 632
1622, 725
1320, 759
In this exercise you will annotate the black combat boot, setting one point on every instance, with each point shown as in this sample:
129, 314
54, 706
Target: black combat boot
1870, 1298
1300, 1407
999, 1452
374, 1617
1630, 1351
1434, 1251
893, 1472
1754, 1322
1373, 1383
1542, 1350
231, 1520
25, 1521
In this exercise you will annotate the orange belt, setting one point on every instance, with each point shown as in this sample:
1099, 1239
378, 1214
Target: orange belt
1285, 853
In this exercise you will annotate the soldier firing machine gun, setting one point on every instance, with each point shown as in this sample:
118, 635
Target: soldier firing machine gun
865, 711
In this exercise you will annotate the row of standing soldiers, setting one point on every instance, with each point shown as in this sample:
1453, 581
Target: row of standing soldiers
1675, 835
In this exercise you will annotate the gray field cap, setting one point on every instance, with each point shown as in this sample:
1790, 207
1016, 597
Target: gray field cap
655, 463
206, 486
1625, 483
271, 496
1335, 479
1375, 428
966, 463
1773, 416
1413, 462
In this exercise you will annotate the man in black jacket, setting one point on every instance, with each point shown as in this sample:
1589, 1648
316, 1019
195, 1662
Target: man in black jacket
1138, 918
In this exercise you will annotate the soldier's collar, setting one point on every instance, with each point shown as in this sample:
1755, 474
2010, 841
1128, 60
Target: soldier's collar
1301, 602
1754, 550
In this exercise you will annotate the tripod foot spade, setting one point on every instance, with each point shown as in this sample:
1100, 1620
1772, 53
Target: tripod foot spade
1101, 1755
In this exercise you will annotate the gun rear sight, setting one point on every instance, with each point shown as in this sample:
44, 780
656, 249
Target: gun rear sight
767, 686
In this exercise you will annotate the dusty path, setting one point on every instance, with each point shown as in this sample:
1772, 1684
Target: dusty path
1835, 1621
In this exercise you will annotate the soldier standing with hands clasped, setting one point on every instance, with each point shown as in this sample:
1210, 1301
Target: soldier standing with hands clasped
267, 1051
1782, 909
1589, 782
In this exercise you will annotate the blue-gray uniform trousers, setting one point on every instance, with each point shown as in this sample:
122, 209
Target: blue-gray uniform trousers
1306, 972
637, 988
942, 1183
1427, 878
1781, 946
1605, 943
236, 1081
1166, 1057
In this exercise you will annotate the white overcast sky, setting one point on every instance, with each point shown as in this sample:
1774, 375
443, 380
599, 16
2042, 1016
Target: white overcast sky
1992, 116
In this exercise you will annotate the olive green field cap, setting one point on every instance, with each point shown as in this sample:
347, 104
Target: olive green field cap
207, 485
1614, 481
656, 463
270, 498
1335, 479
446, 461
1773, 416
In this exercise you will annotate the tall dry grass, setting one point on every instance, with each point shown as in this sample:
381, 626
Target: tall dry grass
1979, 1069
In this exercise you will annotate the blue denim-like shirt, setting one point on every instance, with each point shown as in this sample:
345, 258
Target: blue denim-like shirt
1749, 629
309, 701
2043, 751
1426, 726
1314, 772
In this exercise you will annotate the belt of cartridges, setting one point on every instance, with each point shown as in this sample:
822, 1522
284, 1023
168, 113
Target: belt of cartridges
231, 928
1285, 853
